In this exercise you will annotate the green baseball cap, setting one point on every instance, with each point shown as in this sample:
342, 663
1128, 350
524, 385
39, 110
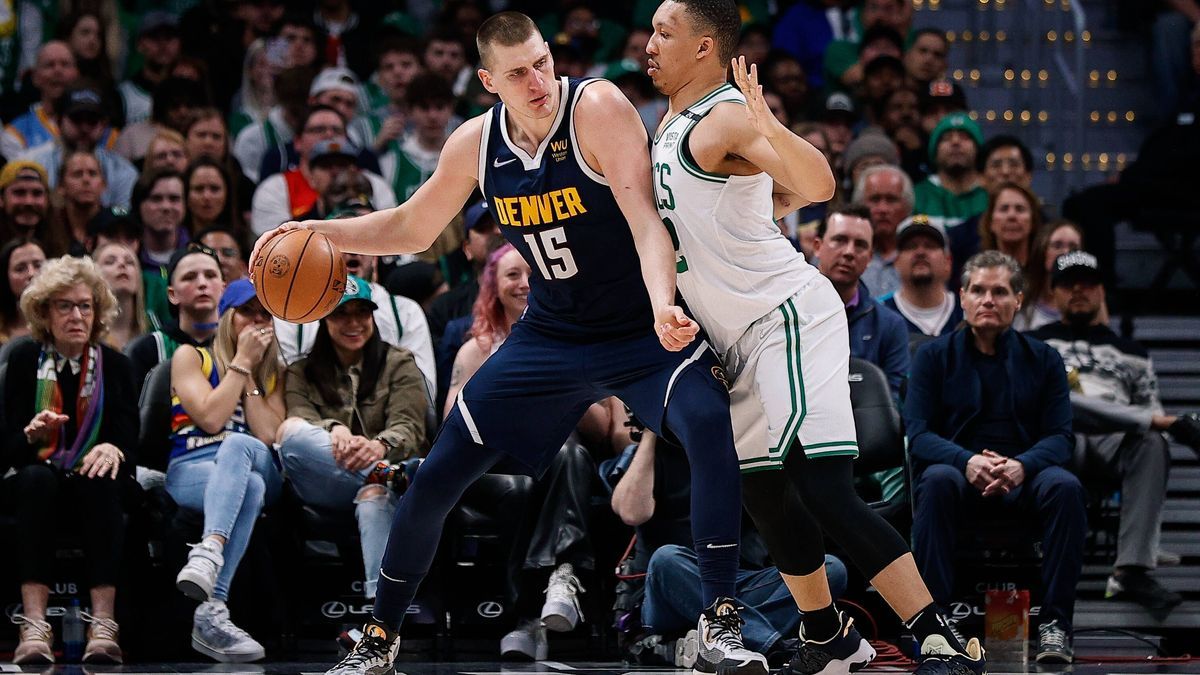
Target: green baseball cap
357, 289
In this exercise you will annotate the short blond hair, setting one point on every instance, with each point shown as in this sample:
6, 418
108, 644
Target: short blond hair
56, 276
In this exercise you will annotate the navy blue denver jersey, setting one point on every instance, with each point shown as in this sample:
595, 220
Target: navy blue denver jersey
562, 217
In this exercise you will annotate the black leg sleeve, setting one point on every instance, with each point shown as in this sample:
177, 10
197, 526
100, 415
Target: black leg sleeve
826, 486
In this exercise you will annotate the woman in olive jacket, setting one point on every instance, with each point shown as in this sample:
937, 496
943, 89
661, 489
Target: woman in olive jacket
356, 406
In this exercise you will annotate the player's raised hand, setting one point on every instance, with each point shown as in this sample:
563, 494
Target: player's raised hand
675, 330
271, 234
757, 112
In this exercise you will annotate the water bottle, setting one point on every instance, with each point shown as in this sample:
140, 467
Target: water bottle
73, 633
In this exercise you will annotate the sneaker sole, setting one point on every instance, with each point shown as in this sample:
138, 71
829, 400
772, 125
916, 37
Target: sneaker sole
860, 659
1053, 657
193, 590
35, 660
702, 667
224, 657
560, 617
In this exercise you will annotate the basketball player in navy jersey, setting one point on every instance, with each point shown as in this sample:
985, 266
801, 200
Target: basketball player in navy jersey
563, 165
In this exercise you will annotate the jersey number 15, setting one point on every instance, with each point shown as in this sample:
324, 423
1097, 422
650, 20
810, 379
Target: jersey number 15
550, 251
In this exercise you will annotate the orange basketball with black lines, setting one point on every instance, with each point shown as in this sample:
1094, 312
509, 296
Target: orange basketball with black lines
299, 276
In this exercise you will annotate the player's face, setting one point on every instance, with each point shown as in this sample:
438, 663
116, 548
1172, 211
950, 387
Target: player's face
673, 48
512, 283
922, 261
523, 77
845, 249
988, 300
350, 326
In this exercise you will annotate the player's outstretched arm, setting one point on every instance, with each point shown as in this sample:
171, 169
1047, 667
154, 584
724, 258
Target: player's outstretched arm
761, 139
413, 226
611, 135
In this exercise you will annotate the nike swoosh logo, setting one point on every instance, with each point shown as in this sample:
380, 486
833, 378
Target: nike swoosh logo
497, 163
721, 545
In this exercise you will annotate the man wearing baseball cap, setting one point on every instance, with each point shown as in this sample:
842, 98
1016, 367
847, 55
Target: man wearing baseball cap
923, 264
1118, 422
953, 194
24, 202
339, 90
324, 151
83, 123
54, 71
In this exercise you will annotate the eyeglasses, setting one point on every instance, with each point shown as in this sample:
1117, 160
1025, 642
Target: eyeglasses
228, 252
65, 307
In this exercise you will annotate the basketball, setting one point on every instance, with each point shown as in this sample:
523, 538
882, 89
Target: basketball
299, 276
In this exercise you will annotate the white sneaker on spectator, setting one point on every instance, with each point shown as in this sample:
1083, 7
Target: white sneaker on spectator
561, 612
686, 649
215, 635
1168, 558
36, 643
199, 575
527, 641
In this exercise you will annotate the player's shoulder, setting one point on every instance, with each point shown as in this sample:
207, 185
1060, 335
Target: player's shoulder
599, 98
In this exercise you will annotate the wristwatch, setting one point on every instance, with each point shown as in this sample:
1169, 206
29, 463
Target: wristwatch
254, 392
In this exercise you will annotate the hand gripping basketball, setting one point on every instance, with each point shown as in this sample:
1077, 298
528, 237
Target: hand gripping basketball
298, 274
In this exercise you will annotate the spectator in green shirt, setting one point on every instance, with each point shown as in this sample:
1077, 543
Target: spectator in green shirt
954, 193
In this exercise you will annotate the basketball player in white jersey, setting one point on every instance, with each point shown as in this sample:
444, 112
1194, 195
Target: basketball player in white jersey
724, 170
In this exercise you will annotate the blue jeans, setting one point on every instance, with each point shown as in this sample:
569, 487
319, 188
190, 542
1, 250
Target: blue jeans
673, 602
244, 479
307, 454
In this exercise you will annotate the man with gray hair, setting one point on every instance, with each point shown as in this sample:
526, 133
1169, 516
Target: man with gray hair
988, 417
887, 192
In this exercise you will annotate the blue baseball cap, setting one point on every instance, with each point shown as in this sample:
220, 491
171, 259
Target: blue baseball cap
475, 216
236, 294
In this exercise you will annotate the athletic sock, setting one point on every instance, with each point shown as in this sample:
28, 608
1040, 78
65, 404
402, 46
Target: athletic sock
931, 621
821, 625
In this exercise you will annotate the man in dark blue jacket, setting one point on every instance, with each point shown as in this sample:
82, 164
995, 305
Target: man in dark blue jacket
877, 334
988, 415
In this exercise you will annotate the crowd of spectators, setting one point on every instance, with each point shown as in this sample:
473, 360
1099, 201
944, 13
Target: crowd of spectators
144, 150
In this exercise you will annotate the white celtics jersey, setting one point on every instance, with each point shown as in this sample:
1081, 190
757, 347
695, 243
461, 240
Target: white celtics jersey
733, 264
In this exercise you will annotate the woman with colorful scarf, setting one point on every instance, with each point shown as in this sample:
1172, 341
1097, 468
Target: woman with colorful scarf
71, 424
226, 405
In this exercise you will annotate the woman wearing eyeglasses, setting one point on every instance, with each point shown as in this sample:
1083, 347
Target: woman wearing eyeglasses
70, 428
227, 404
